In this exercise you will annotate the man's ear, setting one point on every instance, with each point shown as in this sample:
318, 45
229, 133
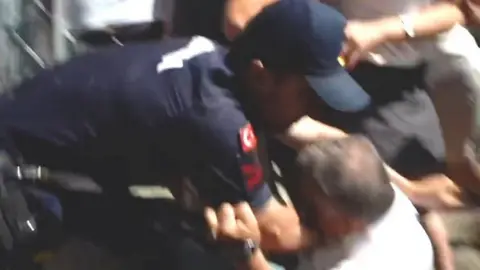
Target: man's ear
257, 65
257, 71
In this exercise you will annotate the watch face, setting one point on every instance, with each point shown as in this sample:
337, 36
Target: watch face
238, 251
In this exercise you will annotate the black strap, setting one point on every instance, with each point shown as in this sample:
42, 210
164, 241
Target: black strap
124, 34
16, 220
66, 180
6, 237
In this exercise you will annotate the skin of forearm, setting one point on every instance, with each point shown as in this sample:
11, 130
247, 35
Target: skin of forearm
289, 239
471, 10
444, 14
281, 230
431, 20
257, 262
239, 12
435, 228
308, 130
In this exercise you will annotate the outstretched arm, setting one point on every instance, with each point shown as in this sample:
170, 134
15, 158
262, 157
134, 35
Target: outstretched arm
435, 192
436, 229
239, 12
307, 130
365, 35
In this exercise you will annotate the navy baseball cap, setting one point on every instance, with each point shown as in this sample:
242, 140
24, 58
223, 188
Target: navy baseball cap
302, 37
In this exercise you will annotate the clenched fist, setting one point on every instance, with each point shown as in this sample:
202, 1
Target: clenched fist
233, 223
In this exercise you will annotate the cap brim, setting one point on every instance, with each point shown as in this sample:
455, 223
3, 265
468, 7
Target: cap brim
340, 91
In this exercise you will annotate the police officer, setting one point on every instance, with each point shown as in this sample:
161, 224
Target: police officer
146, 113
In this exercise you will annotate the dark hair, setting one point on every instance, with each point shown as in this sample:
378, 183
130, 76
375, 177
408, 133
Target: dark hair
350, 173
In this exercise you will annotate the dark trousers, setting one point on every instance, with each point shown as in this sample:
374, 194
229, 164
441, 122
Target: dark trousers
402, 123
149, 230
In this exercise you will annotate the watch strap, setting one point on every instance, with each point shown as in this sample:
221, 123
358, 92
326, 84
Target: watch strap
408, 26
239, 252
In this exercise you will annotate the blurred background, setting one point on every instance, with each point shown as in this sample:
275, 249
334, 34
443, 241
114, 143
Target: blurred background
32, 36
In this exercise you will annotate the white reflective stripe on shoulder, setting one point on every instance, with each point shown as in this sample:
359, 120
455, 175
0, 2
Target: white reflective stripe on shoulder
197, 46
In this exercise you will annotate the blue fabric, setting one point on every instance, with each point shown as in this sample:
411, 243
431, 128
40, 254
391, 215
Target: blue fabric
114, 116
48, 201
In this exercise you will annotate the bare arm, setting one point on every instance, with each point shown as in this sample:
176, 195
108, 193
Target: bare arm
435, 228
431, 191
281, 229
308, 130
239, 12
257, 262
471, 10
443, 14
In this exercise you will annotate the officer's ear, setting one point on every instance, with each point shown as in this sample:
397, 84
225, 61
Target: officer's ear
256, 66
258, 74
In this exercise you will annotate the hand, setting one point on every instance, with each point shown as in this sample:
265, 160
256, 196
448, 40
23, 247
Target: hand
361, 37
233, 223
436, 192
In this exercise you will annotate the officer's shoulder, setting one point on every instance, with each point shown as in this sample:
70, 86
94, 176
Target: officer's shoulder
201, 50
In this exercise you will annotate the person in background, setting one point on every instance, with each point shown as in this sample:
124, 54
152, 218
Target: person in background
106, 22
406, 35
362, 220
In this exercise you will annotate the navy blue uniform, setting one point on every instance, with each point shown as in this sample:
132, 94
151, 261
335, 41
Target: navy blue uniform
140, 114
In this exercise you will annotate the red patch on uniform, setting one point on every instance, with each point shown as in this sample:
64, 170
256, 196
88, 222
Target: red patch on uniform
248, 139
254, 175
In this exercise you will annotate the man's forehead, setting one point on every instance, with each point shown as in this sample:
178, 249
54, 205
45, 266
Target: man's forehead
360, 156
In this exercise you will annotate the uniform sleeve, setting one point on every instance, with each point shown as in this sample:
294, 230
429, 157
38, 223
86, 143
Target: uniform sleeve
231, 171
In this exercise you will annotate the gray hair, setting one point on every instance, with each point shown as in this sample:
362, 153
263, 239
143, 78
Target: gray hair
350, 173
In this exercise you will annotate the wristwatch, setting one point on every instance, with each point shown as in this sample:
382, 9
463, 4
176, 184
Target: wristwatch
408, 26
240, 252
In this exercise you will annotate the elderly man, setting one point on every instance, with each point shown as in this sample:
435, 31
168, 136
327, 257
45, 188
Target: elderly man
362, 220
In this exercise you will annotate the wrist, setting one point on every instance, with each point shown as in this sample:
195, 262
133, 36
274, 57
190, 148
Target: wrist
392, 29
309, 239
258, 261
409, 188
413, 196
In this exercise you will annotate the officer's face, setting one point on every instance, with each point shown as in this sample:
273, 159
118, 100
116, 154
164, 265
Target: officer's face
281, 98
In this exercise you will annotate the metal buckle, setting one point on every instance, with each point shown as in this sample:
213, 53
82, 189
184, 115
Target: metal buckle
29, 172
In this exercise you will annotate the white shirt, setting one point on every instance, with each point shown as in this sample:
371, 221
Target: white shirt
398, 54
459, 42
456, 41
97, 14
397, 241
